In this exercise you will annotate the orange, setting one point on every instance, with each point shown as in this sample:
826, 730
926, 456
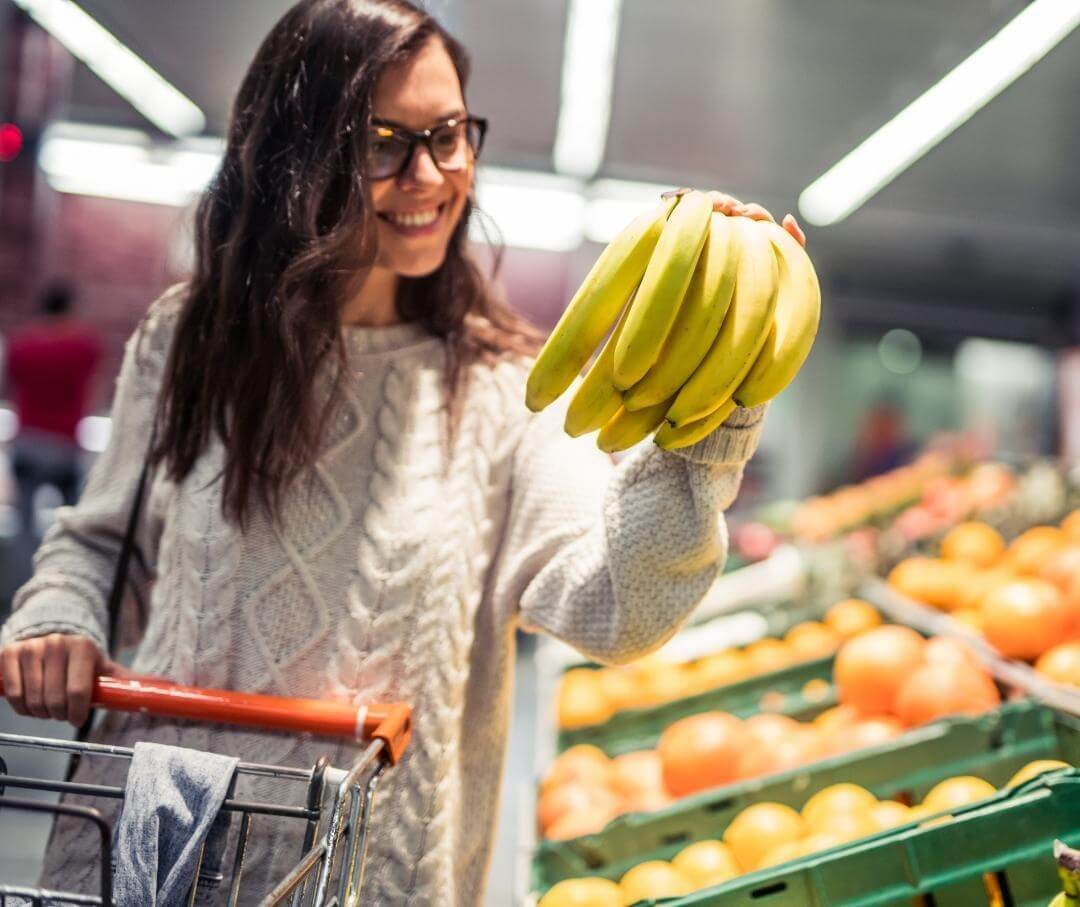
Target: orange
582, 700
1061, 664
720, 669
706, 863
956, 792
836, 717
759, 829
931, 580
974, 542
767, 655
816, 690
771, 730
653, 879
783, 853
619, 687
583, 893
889, 814
585, 821
646, 801
852, 616
945, 649
571, 797
847, 826
584, 762
969, 618
660, 681
635, 774
989, 484
1071, 526
979, 586
1036, 768
1030, 550
1024, 618
1062, 567
823, 841
835, 800
811, 639
942, 688
869, 732
701, 751
871, 667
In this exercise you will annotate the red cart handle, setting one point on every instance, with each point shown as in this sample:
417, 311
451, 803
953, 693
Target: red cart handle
390, 722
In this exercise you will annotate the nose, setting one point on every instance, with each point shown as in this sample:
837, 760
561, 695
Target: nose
422, 171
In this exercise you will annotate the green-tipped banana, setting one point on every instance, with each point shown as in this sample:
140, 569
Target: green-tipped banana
597, 399
742, 334
662, 289
625, 428
671, 438
795, 322
595, 306
702, 312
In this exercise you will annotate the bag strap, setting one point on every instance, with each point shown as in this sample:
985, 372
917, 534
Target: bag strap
119, 583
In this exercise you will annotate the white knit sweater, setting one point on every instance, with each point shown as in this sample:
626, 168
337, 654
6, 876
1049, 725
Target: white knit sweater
398, 572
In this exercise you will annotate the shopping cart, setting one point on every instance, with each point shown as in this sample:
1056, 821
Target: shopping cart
338, 802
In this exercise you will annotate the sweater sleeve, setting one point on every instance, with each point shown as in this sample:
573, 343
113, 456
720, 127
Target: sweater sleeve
614, 560
74, 565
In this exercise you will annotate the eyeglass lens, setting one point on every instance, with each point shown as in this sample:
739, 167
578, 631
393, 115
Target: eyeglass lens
453, 146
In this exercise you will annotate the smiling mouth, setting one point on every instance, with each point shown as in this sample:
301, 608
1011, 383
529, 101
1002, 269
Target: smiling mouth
414, 223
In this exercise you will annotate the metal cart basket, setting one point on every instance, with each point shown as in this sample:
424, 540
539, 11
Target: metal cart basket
338, 801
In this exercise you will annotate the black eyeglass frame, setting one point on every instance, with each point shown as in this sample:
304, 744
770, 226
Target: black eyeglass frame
424, 137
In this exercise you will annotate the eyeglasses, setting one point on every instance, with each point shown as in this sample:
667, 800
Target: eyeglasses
453, 145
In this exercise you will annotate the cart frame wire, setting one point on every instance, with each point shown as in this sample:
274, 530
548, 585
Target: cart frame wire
338, 802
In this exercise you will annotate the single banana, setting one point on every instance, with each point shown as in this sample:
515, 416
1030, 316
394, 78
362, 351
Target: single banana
597, 399
742, 334
662, 289
702, 312
595, 306
795, 322
625, 428
671, 438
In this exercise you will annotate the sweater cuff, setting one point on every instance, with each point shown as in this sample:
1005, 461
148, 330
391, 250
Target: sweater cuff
51, 611
733, 442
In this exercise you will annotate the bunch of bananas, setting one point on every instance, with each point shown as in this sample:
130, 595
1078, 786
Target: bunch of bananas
701, 312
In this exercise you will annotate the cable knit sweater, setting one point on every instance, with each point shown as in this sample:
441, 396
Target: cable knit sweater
399, 571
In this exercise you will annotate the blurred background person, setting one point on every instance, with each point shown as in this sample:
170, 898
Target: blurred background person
882, 441
51, 364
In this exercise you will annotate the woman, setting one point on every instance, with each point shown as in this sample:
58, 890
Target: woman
350, 498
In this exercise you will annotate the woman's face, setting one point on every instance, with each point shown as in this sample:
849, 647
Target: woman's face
417, 212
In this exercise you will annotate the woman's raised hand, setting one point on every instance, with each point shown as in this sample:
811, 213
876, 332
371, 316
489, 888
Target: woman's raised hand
732, 207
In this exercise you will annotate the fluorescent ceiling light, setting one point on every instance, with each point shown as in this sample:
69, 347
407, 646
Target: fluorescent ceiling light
126, 164
117, 65
588, 71
939, 111
614, 203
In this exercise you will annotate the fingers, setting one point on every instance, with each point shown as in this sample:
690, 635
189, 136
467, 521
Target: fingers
792, 226
12, 674
54, 670
726, 204
115, 669
756, 212
84, 660
31, 663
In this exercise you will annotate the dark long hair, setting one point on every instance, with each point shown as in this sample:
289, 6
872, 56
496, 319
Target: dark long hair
283, 233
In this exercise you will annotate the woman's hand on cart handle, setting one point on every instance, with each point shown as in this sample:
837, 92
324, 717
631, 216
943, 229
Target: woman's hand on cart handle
53, 676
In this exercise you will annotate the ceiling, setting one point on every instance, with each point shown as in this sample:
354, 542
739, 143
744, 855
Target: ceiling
758, 97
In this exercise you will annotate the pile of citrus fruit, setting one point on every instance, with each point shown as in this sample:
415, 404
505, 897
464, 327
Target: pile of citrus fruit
767, 834
940, 499
888, 679
587, 697
1024, 597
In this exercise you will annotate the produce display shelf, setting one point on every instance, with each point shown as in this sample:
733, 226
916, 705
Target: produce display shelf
993, 746
995, 853
637, 729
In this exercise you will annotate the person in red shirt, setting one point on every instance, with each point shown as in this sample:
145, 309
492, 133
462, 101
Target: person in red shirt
51, 367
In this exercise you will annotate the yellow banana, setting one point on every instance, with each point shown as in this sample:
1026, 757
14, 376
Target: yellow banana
662, 289
742, 334
625, 428
702, 312
671, 438
595, 306
597, 399
795, 322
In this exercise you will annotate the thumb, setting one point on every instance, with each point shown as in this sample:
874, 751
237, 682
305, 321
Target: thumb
117, 670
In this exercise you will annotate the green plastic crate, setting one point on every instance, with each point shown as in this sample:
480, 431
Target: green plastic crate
993, 746
997, 852
638, 729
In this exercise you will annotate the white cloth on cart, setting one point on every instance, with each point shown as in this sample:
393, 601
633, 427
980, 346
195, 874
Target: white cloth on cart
172, 798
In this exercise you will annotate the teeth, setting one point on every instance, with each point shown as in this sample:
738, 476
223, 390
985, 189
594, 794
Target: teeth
416, 218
